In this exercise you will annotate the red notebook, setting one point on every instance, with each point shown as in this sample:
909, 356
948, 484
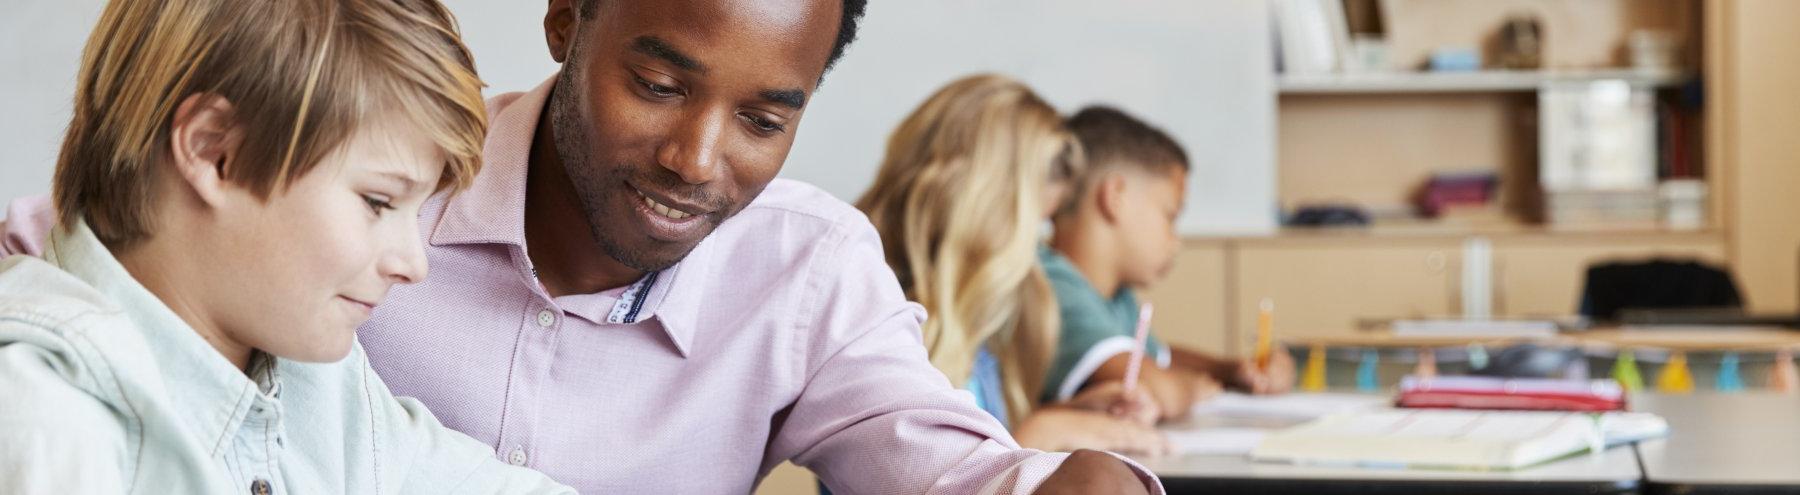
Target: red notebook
1539, 394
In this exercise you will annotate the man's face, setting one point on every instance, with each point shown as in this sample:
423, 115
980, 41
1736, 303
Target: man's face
672, 115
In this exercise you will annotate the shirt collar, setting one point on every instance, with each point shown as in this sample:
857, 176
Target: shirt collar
670, 297
492, 210
217, 395
673, 300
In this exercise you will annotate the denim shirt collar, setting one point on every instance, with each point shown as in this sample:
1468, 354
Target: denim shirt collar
188, 370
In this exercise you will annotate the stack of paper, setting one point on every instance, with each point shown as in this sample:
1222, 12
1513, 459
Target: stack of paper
1293, 407
1453, 439
1216, 441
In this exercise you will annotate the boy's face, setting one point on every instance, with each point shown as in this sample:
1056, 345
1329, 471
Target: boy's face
301, 270
1146, 225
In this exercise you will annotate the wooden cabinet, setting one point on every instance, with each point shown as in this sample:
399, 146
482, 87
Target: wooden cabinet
1324, 286
1191, 302
1543, 275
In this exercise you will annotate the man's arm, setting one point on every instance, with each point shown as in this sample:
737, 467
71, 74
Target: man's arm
27, 223
1089, 471
875, 417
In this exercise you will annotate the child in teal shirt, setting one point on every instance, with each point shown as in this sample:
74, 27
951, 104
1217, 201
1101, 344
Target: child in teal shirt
1116, 232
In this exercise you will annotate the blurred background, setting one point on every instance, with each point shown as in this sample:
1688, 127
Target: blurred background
1361, 161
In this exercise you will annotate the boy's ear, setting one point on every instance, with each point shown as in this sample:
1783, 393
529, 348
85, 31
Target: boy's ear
1109, 197
203, 137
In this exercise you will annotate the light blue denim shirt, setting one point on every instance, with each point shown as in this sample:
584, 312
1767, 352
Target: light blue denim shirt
103, 389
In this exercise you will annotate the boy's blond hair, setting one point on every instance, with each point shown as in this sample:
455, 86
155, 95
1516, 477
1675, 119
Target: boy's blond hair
301, 76
958, 201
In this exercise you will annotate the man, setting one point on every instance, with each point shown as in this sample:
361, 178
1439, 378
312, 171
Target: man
629, 302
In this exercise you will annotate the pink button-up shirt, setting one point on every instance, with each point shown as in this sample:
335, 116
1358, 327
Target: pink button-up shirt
783, 335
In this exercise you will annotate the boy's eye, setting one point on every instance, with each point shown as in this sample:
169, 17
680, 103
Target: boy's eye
377, 205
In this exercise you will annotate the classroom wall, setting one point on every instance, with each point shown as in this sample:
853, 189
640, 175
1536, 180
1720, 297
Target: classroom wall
1201, 69
42, 40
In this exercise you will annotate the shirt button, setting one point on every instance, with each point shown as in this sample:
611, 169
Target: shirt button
546, 318
517, 458
259, 487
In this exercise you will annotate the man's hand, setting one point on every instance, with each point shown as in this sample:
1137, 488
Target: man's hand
1277, 378
1088, 471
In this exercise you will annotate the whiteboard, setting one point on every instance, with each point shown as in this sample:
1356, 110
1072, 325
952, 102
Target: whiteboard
1200, 69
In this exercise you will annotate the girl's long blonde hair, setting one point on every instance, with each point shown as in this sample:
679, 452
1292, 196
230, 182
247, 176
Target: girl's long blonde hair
958, 202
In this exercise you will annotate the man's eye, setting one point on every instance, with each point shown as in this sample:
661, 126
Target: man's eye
762, 124
658, 89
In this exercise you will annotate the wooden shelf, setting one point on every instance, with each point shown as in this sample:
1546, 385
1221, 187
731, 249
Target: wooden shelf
1447, 230
1487, 81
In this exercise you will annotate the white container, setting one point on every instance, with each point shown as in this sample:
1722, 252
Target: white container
1683, 203
1653, 50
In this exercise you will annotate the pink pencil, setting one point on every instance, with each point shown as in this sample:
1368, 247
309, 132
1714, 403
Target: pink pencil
1137, 350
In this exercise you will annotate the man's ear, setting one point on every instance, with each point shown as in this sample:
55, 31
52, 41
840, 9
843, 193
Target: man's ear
203, 137
1109, 197
559, 28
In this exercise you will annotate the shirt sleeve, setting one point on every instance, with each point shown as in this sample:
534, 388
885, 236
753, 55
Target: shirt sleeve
875, 416
439, 459
1089, 337
54, 437
26, 225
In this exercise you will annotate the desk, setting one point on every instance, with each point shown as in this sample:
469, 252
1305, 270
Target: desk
1723, 443
1613, 471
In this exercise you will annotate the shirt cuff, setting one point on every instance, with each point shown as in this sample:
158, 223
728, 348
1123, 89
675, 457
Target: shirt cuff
1032, 473
1151, 482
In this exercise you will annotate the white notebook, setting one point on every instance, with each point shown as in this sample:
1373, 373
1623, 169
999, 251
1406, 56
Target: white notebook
1294, 407
1435, 438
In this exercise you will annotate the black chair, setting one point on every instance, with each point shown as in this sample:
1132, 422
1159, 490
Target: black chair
1614, 288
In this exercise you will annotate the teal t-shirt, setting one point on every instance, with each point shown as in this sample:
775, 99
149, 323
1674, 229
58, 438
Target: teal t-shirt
1094, 327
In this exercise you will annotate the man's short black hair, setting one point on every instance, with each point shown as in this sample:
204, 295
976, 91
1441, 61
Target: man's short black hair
853, 13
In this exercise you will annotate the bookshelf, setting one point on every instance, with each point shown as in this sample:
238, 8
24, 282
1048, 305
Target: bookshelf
1484, 81
1369, 139
1371, 133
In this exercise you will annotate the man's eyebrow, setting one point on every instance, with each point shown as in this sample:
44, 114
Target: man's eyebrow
656, 47
791, 98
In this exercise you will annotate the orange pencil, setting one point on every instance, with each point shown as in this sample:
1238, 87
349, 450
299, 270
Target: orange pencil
1265, 332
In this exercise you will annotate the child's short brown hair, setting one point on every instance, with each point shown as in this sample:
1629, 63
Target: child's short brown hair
301, 75
1112, 140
